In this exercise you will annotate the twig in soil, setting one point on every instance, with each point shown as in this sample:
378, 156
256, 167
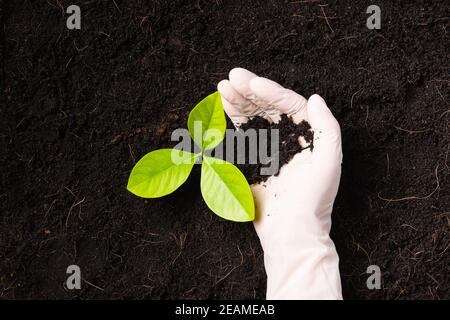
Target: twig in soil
358, 246
22, 121
439, 80
59, 37
181, 241
148, 242
365, 124
93, 285
117, 6
78, 49
201, 255
411, 131
132, 153
175, 109
401, 291
444, 113
118, 256
446, 156
388, 165
353, 96
198, 6
143, 19
442, 214
409, 226
50, 207
367, 116
5, 288
326, 18
444, 251
234, 268
434, 279
283, 37
68, 62
439, 92
59, 5
62, 8
77, 136
416, 197
71, 208
432, 294
105, 34
75, 204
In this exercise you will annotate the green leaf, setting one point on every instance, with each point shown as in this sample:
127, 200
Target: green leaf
160, 172
226, 191
207, 122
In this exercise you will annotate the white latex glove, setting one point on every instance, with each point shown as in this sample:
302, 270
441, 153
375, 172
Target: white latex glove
293, 209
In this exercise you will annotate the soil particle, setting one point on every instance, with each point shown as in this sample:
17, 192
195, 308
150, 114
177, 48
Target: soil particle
289, 145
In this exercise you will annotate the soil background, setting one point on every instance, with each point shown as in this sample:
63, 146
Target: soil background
80, 107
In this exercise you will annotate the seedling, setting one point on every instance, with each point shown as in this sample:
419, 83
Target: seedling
223, 187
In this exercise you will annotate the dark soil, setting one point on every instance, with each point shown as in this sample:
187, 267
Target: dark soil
288, 136
79, 108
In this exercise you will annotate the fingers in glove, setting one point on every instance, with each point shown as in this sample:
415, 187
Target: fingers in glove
240, 79
279, 100
327, 153
236, 106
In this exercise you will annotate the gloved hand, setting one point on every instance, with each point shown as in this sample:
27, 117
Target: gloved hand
293, 210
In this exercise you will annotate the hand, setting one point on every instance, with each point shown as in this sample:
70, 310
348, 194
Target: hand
293, 209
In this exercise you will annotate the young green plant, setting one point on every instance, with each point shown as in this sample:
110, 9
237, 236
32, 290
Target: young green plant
223, 187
